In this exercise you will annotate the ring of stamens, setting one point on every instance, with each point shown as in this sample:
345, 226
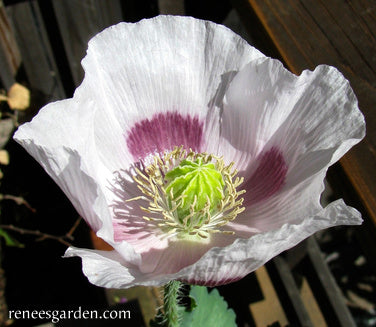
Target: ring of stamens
163, 207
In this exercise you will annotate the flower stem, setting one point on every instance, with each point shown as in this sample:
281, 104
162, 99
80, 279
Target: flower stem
171, 306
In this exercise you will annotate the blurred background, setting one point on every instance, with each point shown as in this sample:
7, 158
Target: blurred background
328, 280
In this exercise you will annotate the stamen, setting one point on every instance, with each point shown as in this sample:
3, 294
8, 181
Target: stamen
167, 186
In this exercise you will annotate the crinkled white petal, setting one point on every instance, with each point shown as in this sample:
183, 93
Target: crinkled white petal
160, 65
105, 268
244, 256
220, 264
291, 206
60, 139
181, 253
256, 103
268, 106
123, 269
312, 120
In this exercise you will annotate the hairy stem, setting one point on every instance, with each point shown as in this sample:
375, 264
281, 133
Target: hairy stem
171, 306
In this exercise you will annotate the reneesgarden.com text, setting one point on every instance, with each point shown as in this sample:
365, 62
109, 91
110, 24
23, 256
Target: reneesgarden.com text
55, 316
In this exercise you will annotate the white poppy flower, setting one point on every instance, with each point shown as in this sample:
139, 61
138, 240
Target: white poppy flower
160, 88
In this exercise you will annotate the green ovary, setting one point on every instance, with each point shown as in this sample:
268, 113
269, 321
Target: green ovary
194, 186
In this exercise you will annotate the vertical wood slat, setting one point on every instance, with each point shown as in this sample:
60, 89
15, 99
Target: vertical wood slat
10, 57
335, 297
78, 22
294, 297
35, 49
171, 7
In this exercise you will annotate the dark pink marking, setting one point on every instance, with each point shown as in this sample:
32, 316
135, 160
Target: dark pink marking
163, 132
268, 178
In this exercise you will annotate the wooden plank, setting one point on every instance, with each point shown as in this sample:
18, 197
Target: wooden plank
79, 21
339, 33
269, 310
171, 7
298, 315
329, 285
348, 35
366, 10
10, 56
358, 33
37, 56
311, 304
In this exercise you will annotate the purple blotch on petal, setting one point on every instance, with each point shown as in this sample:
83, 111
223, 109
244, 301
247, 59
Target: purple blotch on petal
267, 179
163, 132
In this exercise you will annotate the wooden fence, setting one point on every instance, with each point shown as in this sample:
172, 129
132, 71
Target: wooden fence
51, 38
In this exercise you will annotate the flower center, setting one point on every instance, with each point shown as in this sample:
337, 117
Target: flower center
189, 195
199, 185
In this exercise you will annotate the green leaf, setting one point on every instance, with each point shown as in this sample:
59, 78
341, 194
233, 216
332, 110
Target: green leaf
207, 309
9, 240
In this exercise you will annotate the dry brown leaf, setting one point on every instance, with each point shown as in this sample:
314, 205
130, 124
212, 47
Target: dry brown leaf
4, 157
18, 97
